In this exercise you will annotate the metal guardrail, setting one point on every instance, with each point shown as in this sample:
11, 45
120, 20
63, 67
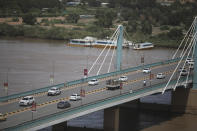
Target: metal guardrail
99, 103
45, 89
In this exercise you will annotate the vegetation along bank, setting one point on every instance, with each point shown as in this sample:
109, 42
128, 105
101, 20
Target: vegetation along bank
144, 20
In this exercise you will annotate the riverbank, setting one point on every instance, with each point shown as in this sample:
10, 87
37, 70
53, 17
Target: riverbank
65, 34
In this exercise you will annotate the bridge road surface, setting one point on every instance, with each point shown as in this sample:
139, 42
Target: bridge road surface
47, 105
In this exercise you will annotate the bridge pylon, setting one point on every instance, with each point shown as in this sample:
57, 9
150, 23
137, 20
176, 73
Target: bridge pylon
119, 48
195, 55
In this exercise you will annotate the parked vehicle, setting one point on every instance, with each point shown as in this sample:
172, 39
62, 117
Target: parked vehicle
63, 104
27, 100
160, 76
75, 97
54, 91
123, 78
112, 84
93, 82
3, 117
146, 70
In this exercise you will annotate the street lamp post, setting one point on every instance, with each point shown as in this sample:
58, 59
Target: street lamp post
6, 83
52, 75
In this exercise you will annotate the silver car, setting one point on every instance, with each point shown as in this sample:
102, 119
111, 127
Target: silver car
27, 100
160, 76
54, 91
146, 70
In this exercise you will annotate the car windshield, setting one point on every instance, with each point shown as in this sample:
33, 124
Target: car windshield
61, 102
146, 69
53, 89
25, 98
93, 80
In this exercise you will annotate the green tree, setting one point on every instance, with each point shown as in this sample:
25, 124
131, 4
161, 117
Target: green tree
94, 3
132, 26
146, 27
29, 19
175, 33
105, 18
73, 18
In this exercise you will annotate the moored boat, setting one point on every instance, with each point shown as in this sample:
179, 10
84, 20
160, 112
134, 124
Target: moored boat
87, 42
93, 42
140, 46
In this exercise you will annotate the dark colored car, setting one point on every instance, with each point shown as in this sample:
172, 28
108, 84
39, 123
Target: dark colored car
63, 104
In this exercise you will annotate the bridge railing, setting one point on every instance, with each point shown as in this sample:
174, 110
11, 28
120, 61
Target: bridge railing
120, 72
75, 82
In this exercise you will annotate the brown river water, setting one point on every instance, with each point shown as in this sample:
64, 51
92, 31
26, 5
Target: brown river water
27, 64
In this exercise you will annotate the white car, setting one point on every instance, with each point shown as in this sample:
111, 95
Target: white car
160, 76
123, 78
189, 59
183, 73
181, 68
27, 100
146, 70
75, 97
191, 62
54, 91
191, 66
93, 82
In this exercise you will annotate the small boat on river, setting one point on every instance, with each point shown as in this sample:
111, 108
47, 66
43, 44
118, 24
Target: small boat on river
140, 46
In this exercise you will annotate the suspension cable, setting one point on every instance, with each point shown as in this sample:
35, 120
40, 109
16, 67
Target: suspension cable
190, 46
183, 39
107, 53
102, 51
116, 38
190, 64
133, 51
174, 72
191, 31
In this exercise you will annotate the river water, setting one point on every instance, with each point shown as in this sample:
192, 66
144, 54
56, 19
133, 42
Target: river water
27, 64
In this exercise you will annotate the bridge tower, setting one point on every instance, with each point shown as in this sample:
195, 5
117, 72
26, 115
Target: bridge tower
195, 57
119, 48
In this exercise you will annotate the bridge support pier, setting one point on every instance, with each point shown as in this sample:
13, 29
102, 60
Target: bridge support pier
121, 117
184, 100
60, 126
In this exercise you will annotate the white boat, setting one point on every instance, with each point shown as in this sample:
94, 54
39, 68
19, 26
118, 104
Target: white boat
103, 43
93, 42
140, 46
87, 41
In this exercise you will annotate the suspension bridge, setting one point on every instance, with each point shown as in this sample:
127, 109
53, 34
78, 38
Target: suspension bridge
98, 97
